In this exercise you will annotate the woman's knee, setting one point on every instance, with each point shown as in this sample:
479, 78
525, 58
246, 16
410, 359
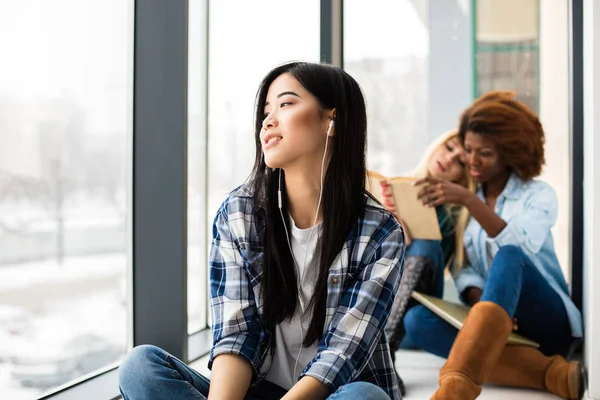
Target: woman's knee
360, 390
511, 252
138, 363
510, 259
425, 248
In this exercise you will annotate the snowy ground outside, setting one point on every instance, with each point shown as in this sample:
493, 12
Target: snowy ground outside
58, 323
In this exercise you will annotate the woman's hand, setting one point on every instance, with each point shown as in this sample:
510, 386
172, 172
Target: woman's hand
440, 191
473, 295
407, 236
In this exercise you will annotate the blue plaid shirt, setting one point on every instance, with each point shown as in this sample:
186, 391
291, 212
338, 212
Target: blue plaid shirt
362, 283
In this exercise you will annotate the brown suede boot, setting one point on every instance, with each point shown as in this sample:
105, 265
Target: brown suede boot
475, 352
526, 367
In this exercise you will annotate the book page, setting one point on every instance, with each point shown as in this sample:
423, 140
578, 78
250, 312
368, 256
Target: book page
421, 220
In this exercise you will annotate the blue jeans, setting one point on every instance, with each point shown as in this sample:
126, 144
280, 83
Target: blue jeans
516, 285
432, 250
149, 372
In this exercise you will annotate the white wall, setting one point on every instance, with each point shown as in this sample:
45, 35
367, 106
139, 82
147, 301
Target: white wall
554, 114
507, 20
591, 59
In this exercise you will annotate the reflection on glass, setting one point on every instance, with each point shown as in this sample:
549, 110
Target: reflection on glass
196, 255
388, 54
64, 127
507, 48
246, 40
242, 50
411, 62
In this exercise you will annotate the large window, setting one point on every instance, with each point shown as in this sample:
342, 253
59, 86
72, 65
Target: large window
421, 63
246, 40
403, 59
67, 221
65, 117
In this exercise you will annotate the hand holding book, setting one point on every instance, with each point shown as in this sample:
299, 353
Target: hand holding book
399, 195
439, 191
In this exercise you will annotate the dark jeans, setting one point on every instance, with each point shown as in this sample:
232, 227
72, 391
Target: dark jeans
149, 372
431, 249
516, 285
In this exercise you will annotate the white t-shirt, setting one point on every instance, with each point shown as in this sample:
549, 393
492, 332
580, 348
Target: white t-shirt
289, 334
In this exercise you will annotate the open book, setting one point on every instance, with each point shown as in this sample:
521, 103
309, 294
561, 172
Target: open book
400, 197
455, 315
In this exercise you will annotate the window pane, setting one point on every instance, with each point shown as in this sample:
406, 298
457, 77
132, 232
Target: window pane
197, 283
510, 56
413, 62
246, 40
554, 109
421, 63
65, 116
507, 48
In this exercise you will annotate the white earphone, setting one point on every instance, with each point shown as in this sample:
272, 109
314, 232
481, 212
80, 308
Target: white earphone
331, 123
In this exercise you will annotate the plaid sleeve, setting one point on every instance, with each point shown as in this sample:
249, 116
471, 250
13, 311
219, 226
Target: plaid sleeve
235, 321
359, 321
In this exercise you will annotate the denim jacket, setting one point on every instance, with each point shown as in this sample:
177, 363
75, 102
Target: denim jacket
529, 209
362, 282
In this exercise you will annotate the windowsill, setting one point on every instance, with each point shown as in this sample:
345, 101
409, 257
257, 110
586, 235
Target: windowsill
199, 344
105, 386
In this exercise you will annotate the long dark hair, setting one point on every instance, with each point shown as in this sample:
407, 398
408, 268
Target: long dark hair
343, 191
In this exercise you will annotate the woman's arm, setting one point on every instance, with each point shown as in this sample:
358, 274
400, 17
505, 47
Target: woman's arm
307, 388
491, 223
228, 368
472, 295
528, 228
237, 331
439, 191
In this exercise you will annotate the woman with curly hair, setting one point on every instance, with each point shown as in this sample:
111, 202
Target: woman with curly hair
511, 277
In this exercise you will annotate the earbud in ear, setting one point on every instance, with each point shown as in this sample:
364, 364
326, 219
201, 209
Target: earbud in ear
331, 123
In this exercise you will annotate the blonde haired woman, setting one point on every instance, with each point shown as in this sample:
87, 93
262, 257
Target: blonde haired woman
445, 159
426, 260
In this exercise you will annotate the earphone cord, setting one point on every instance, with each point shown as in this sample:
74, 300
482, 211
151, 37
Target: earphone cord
299, 273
